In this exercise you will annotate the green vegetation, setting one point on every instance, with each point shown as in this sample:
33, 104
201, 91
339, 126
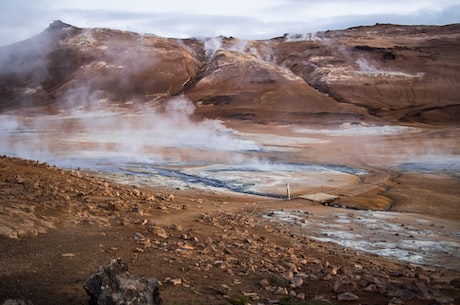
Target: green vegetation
242, 300
278, 281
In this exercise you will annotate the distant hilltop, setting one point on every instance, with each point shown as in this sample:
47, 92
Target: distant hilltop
382, 72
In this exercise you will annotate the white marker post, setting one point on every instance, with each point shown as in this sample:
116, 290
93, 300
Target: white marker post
288, 189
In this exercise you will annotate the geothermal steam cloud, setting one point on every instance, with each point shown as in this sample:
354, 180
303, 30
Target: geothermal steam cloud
104, 132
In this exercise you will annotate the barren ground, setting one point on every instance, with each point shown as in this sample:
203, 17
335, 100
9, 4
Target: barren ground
215, 247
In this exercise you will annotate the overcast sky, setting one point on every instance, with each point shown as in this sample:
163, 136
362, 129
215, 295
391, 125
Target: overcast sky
21, 19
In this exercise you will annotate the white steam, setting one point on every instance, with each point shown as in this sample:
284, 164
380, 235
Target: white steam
368, 69
365, 65
100, 133
304, 37
212, 45
240, 45
8, 124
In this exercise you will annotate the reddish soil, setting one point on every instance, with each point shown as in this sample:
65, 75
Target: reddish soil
217, 246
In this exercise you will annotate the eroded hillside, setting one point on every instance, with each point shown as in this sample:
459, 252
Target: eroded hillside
388, 72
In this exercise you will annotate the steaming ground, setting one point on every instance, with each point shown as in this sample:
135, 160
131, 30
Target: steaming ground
142, 134
358, 164
413, 238
168, 143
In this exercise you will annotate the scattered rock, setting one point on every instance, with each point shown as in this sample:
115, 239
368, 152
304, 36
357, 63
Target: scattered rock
159, 231
404, 294
444, 300
281, 291
113, 285
175, 282
347, 296
300, 296
296, 282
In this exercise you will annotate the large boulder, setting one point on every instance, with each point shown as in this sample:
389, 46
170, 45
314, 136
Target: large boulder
113, 285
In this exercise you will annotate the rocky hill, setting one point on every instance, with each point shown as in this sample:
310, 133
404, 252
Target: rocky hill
389, 72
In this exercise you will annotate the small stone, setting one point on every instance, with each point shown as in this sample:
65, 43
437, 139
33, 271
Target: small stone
337, 285
444, 300
264, 282
160, 232
396, 301
175, 282
404, 294
225, 289
252, 295
300, 296
327, 277
138, 237
68, 255
281, 291
333, 270
185, 246
296, 282
370, 288
19, 179
176, 227
347, 296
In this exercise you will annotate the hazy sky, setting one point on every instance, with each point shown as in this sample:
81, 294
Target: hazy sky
21, 19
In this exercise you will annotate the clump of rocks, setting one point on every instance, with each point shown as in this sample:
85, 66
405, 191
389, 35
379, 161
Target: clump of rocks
112, 284
90, 199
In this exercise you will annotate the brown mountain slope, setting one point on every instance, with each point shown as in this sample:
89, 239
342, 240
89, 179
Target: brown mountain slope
400, 72
75, 67
240, 85
385, 71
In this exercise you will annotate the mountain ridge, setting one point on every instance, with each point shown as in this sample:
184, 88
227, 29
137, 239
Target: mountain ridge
384, 72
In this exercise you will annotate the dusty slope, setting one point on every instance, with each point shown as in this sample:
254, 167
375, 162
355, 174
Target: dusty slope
385, 71
204, 248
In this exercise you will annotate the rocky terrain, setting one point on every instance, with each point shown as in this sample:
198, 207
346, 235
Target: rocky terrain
59, 226
174, 156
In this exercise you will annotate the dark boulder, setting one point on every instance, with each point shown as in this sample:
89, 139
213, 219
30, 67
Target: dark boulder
113, 285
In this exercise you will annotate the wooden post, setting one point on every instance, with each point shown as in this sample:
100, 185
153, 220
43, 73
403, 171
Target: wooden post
288, 189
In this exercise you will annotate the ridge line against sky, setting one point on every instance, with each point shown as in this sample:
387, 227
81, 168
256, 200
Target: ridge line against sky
22, 19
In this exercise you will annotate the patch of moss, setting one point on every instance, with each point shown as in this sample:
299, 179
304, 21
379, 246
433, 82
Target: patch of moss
242, 300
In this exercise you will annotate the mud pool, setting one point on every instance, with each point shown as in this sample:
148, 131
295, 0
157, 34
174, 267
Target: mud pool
267, 179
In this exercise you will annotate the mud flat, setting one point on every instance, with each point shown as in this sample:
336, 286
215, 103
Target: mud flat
359, 165
412, 238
